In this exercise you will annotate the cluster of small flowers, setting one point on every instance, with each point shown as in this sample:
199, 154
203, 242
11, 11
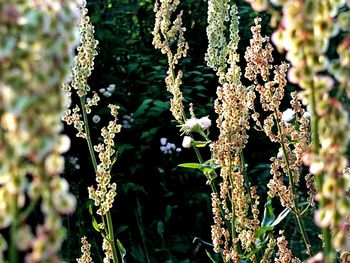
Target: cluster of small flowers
91, 102
290, 157
284, 254
218, 15
84, 61
128, 121
107, 249
107, 92
165, 33
106, 191
233, 105
269, 250
33, 64
168, 147
194, 125
74, 161
81, 70
220, 52
340, 68
74, 117
85, 250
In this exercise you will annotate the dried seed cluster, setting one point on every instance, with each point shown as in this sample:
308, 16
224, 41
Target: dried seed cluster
168, 36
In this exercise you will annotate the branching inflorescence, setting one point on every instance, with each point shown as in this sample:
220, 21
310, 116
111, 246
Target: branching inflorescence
103, 195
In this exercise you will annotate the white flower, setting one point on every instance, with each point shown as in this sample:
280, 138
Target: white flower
9, 121
190, 123
204, 122
111, 87
316, 167
96, 119
187, 142
280, 153
178, 150
163, 141
102, 90
54, 163
171, 146
163, 149
288, 115
63, 144
307, 115
107, 94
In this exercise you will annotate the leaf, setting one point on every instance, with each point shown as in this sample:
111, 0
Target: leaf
210, 256
200, 144
206, 168
121, 229
151, 131
122, 250
160, 228
269, 216
262, 230
191, 165
142, 108
90, 204
281, 216
95, 224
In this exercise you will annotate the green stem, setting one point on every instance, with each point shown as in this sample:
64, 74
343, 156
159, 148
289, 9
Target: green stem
139, 222
87, 132
327, 245
94, 162
292, 184
111, 236
29, 209
246, 179
13, 253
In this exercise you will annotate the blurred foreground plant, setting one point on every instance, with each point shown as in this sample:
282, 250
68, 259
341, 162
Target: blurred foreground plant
36, 43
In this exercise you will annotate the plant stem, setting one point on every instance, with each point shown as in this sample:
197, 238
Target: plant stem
87, 132
246, 179
292, 184
13, 253
327, 245
94, 162
111, 236
138, 217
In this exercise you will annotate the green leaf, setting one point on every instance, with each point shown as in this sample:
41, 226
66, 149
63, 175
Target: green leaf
191, 165
142, 108
203, 167
269, 216
122, 250
160, 228
262, 230
121, 229
90, 204
210, 256
95, 224
200, 144
281, 216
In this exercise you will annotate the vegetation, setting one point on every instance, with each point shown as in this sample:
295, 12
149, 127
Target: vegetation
194, 131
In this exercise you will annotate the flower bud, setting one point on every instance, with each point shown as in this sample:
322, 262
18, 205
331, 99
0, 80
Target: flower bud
187, 142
